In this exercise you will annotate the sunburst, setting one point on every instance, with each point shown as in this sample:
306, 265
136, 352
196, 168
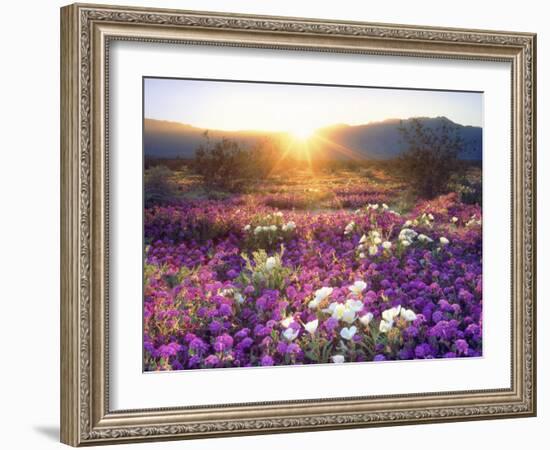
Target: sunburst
302, 132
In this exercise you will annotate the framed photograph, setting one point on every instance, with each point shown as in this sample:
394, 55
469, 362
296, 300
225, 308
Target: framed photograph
276, 224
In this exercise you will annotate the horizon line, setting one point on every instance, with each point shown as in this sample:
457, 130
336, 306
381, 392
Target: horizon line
244, 130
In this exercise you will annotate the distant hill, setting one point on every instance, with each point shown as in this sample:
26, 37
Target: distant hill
379, 140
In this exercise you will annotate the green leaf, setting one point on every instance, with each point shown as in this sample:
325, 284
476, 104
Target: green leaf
311, 356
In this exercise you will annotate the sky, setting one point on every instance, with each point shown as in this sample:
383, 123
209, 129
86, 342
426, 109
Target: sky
229, 105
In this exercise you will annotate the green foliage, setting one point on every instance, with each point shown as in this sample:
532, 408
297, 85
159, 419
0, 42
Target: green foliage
154, 272
405, 201
264, 271
431, 158
149, 272
177, 278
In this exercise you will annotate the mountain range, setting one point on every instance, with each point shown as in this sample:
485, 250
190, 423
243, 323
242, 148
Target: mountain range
376, 140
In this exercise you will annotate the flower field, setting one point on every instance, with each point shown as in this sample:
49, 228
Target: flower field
329, 269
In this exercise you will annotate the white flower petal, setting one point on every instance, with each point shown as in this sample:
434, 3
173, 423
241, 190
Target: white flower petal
290, 334
311, 327
366, 318
385, 326
348, 333
271, 263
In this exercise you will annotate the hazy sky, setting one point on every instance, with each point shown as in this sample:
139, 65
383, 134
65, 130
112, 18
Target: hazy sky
227, 105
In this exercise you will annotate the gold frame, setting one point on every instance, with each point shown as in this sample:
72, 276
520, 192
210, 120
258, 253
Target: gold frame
86, 31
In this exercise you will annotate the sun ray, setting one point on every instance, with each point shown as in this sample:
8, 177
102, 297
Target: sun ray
284, 153
308, 155
356, 156
304, 148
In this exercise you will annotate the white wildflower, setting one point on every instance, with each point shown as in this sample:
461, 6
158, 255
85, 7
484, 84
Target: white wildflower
311, 327
386, 245
385, 326
289, 226
354, 305
408, 315
349, 227
271, 263
320, 295
389, 315
338, 359
407, 234
287, 321
348, 333
366, 318
357, 287
348, 316
337, 310
290, 334
424, 238
324, 292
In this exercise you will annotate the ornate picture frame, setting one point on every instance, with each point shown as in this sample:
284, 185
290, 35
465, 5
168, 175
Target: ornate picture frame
87, 31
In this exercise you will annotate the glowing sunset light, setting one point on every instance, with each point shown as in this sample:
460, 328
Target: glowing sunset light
299, 110
302, 132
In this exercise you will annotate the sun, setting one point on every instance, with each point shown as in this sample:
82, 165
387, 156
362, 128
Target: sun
302, 132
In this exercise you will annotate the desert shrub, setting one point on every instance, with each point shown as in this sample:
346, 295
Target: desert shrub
222, 164
229, 165
265, 157
470, 192
431, 158
159, 187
